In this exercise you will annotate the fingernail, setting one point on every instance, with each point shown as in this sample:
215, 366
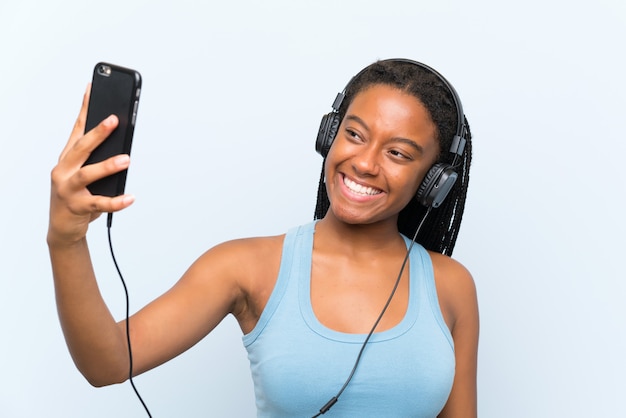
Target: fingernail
109, 121
122, 160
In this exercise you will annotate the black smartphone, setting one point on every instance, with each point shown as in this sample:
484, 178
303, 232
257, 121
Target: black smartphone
115, 90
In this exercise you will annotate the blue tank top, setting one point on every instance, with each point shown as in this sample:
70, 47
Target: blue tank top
298, 364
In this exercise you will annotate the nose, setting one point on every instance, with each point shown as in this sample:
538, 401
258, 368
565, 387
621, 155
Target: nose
367, 160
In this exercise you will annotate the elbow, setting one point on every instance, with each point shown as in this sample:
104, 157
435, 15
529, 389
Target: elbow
102, 376
102, 381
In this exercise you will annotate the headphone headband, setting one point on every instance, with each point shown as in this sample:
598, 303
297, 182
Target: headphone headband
458, 142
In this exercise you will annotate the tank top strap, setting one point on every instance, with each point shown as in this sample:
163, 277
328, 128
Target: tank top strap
423, 278
291, 246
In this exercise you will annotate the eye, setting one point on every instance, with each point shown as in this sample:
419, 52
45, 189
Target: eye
401, 155
353, 135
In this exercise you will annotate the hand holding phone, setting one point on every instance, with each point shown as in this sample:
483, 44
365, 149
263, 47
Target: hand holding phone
115, 90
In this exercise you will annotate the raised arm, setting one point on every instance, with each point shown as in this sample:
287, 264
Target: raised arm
207, 292
91, 333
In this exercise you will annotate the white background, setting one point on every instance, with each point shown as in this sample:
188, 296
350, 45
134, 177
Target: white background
224, 148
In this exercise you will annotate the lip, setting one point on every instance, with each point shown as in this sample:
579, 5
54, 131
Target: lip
360, 197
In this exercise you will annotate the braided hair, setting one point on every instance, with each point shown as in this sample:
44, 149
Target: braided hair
441, 228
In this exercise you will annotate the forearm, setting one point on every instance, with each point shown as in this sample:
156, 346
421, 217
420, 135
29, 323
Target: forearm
95, 341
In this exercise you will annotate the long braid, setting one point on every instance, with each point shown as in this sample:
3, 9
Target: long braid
322, 197
440, 231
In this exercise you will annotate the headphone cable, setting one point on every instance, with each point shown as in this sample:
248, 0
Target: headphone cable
335, 398
130, 353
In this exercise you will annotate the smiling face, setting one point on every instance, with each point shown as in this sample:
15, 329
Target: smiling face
384, 146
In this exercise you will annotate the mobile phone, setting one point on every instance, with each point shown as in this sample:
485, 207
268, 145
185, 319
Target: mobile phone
115, 90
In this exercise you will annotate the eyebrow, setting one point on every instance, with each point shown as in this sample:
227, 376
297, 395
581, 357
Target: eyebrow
403, 140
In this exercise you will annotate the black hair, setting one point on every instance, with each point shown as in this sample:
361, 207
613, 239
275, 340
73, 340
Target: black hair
440, 230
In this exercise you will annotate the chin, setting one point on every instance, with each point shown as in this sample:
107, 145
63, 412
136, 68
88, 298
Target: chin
358, 217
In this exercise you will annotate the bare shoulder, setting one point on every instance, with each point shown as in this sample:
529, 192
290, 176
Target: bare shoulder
450, 272
251, 265
241, 251
455, 288
244, 260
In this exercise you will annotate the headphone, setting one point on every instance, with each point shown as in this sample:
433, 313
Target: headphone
439, 180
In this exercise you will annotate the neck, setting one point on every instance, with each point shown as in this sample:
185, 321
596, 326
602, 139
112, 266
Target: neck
360, 237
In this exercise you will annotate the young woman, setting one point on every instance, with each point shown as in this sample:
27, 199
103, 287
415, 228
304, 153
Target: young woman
336, 313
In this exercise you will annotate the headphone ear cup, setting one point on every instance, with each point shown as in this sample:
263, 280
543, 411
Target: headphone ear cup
436, 185
327, 133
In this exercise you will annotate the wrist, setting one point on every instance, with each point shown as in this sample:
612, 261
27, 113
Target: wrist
59, 240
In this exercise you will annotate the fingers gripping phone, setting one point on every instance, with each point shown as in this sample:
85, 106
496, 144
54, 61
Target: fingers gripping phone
115, 90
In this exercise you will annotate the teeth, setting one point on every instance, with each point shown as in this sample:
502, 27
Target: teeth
359, 189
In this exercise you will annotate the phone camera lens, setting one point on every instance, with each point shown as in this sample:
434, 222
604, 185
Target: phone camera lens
104, 70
